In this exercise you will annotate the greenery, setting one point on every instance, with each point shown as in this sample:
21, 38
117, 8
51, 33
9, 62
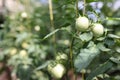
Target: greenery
34, 41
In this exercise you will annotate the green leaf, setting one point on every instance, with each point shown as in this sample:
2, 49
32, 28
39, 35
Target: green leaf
50, 34
24, 72
99, 70
115, 60
109, 42
117, 49
100, 38
85, 57
102, 47
53, 32
21, 37
91, 43
43, 65
113, 36
86, 36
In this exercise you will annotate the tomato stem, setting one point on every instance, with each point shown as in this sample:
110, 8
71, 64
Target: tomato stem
72, 41
77, 8
52, 23
71, 53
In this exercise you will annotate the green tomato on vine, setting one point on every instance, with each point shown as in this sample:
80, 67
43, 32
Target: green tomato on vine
82, 23
97, 29
57, 71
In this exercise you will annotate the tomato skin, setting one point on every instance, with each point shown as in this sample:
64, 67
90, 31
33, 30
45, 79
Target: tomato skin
97, 29
57, 71
82, 23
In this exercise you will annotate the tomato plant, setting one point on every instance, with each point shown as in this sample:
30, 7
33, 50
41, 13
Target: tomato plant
62, 40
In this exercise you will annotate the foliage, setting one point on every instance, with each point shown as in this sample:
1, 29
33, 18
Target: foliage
27, 43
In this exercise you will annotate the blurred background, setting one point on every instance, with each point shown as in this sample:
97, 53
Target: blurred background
23, 23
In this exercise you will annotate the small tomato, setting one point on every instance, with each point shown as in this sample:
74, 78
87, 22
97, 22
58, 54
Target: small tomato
57, 71
82, 23
97, 29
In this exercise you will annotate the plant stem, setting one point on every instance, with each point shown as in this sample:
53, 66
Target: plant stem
82, 76
77, 8
84, 7
52, 23
72, 41
51, 13
71, 53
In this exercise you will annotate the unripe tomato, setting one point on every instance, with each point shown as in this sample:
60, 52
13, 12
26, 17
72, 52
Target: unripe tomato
24, 15
37, 28
82, 23
25, 45
13, 51
61, 56
97, 29
23, 53
57, 71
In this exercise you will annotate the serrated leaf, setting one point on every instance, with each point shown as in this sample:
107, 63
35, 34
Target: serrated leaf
86, 36
102, 47
85, 57
99, 70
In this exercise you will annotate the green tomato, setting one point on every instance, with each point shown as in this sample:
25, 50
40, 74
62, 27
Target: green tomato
57, 71
97, 29
82, 23
61, 57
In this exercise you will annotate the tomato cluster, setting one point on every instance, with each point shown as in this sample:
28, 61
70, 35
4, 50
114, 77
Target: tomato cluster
83, 24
